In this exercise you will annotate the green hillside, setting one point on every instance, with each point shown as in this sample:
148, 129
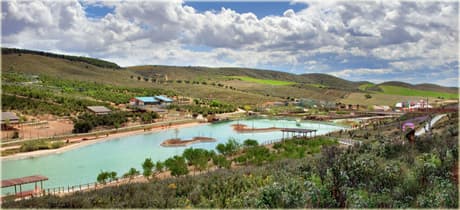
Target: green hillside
366, 86
263, 81
330, 81
427, 87
396, 90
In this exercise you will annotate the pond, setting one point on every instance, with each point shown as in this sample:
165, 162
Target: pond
82, 165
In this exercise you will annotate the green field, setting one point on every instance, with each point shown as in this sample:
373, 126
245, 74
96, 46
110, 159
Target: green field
364, 87
394, 90
263, 81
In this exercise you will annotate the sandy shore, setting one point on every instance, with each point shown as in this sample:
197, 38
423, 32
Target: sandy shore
92, 140
241, 128
183, 143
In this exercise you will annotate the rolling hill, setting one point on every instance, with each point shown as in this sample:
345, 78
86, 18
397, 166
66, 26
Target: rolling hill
237, 85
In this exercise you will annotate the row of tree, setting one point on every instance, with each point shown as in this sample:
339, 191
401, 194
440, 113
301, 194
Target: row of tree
88, 121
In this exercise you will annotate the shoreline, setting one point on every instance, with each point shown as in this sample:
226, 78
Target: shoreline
82, 143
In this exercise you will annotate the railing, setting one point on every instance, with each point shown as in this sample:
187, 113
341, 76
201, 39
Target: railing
62, 190
271, 141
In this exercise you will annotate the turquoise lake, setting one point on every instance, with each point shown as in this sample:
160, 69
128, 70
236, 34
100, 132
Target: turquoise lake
82, 165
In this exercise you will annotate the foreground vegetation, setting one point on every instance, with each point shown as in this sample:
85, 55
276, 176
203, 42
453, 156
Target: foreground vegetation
376, 174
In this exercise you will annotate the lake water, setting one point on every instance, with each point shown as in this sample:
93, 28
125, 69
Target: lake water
82, 165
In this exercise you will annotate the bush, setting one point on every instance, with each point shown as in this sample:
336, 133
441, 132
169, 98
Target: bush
40, 145
15, 135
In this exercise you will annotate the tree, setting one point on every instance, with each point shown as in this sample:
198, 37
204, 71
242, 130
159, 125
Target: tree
247, 108
146, 117
221, 162
131, 173
102, 177
159, 166
229, 148
82, 126
15, 135
250, 143
112, 176
147, 166
177, 165
197, 157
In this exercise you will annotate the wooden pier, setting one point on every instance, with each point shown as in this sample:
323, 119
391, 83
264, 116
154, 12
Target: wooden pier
299, 132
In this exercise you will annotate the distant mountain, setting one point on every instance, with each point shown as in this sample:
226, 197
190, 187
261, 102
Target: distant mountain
427, 87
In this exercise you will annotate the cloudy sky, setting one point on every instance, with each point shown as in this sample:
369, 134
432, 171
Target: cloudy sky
375, 41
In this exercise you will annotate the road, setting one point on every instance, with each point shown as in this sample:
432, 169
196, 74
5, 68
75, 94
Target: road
427, 126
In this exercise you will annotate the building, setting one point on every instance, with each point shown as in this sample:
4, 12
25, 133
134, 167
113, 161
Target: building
143, 101
150, 100
99, 110
9, 118
412, 105
163, 100
382, 108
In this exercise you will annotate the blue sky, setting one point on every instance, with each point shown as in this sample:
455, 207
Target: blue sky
260, 9
97, 11
414, 42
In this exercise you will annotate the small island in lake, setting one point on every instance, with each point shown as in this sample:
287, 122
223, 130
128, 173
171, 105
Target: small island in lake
242, 128
176, 142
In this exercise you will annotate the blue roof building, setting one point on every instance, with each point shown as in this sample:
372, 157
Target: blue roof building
164, 99
147, 99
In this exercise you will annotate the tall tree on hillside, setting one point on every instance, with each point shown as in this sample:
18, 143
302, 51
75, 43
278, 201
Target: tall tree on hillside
147, 166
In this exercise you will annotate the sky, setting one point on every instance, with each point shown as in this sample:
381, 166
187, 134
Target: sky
377, 41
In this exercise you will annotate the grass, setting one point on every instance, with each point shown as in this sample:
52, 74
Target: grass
263, 81
364, 87
318, 85
40, 145
379, 99
394, 90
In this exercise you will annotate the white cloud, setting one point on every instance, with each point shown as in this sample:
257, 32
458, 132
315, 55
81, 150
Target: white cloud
348, 73
408, 35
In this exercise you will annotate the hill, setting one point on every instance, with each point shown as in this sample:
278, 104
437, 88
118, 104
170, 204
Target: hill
330, 81
425, 87
236, 85
93, 61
